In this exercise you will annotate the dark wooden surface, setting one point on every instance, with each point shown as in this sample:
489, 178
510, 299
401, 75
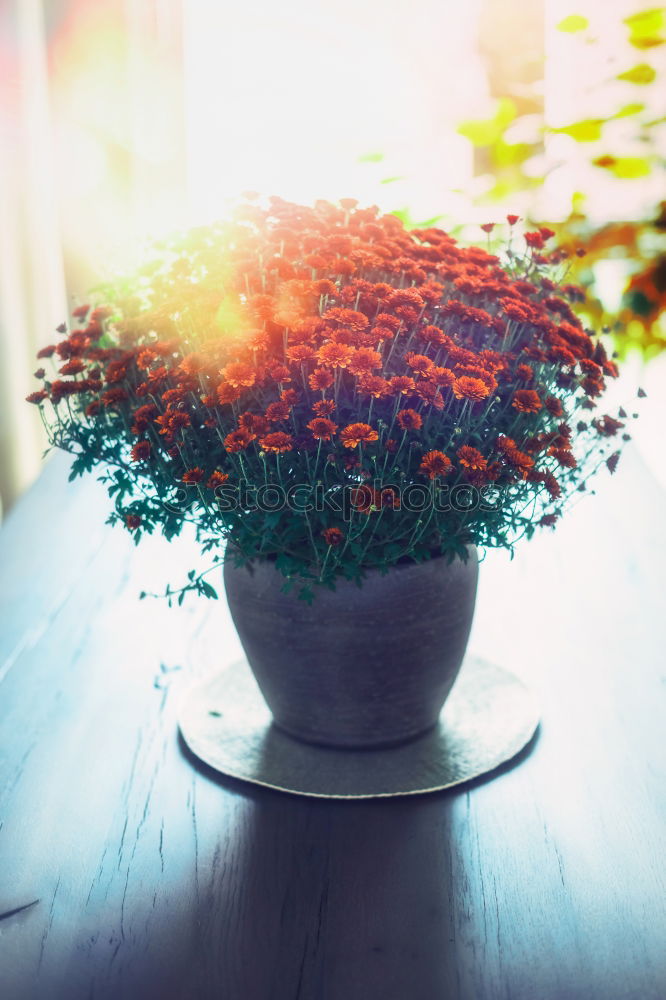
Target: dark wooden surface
149, 876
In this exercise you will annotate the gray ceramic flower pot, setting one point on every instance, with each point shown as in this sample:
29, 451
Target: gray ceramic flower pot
360, 667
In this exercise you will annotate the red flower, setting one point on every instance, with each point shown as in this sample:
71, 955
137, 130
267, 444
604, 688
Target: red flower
356, 434
301, 353
419, 363
193, 476
526, 401
535, 240
323, 407
113, 396
132, 522
333, 536
141, 451
37, 397
520, 461
434, 464
488, 227
227, 393
277, 412
335, 355
239, 374
322, 428
505, 444
373, 385
467, 387
554, 406
73, 367
441, 376
401, 385
277, 442
364, 361
321, 379
512, 219
238, 440
471, 458
145, 358
216, 478
409, 420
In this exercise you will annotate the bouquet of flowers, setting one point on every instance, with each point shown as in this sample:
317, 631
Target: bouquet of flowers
323, 388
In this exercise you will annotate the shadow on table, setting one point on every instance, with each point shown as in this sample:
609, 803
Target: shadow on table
333, 899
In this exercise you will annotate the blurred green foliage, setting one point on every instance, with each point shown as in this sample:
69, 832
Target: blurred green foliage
511, 148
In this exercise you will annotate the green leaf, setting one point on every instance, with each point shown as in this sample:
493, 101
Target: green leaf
573, 23
629, 109
585, 131
486, 132
645, 23
642, 74
371, 158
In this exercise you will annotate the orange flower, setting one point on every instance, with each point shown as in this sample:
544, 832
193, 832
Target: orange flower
322, 428
193, 476
320, 379
364, 361
401, 385
409, 420
277, 442
323, 407
216, 478
471, 458
238, 440
441, 376
526, 401
277, 412
333, 536
520, 461
435, 463
356, 434
419, 363
173, 421
300, 353
254, 423
563, 457
348, 317
505, 444
373, 385
467, 387
145, 358
335, 355
227, 393
239, 374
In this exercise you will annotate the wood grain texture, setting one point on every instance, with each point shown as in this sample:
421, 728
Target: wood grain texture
127, 870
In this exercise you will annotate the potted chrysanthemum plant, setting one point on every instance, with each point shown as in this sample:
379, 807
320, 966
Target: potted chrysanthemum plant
345, 411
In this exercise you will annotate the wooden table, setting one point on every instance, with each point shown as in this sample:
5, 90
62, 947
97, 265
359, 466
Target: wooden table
128, 870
